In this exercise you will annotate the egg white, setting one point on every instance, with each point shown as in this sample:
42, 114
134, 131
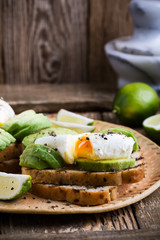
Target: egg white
6, 112
104, 146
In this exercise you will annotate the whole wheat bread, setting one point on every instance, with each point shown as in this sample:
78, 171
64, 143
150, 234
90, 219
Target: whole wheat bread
76, 194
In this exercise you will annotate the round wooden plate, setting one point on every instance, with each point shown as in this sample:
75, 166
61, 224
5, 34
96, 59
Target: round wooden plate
128, 194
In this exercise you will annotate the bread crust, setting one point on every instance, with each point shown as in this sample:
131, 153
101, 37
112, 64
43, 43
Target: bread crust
10, 166
75, 194
13, 151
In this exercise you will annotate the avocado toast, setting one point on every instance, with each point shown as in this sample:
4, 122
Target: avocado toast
90, 168
12, 133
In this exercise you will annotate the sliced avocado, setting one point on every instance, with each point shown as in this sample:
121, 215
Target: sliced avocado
6, 126
22, 133
47, 132
27, 124
5, 139
33, 162
29, 139
104, 165
126, 132
45, 154
3, 144
7, 135
39, 122
21, 124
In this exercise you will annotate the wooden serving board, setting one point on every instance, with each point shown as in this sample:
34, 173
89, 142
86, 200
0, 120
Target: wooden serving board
128, 194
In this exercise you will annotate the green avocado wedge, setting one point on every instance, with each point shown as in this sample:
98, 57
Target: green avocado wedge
5, 139
26, 123
126, 132
41, 157
11, 124
45, 133
39, 122
104, 165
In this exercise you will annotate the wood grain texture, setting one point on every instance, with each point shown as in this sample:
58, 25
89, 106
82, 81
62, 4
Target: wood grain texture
55, 41
52, 97
44, 41
108, 20
128, 235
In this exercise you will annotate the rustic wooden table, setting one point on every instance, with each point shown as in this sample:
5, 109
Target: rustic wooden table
138, 221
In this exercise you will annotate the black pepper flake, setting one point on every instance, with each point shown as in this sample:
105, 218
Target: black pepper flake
105, 138
36, 207
67, 204
110, 132
45, 144
102, 135
54, 206
12, 188
87, 138
53, 134
33, 198
49, 201
24, 198
113, 170
55, 149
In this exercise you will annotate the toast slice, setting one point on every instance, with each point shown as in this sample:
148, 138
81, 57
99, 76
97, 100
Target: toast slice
80, 195
9, 158
84, 178
10, 166
13, 151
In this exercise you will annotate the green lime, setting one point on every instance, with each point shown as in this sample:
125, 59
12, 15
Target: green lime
152, 127
13, 185
135, 102
67, 116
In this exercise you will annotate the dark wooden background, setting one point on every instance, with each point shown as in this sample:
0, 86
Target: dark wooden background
59, 41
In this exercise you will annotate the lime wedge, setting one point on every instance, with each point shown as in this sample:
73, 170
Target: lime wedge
152, 127
79, 128
67, 116
13, 185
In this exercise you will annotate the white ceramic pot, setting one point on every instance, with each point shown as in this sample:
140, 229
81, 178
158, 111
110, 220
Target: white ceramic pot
137, 58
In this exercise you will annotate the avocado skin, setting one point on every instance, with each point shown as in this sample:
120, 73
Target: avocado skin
5, 139
104, 165
41, 157
126, 132
46, 132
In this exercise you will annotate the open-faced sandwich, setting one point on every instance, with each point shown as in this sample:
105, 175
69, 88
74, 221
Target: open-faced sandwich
84, 169
74, 165
12, 131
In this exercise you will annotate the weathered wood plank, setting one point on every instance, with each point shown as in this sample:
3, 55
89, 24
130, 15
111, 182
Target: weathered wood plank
1, 53
107, 21
147, 212
128, 235
122, 219
44, 41
52, 97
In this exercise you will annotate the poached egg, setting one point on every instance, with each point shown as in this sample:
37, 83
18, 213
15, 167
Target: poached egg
93, 146
6, 112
